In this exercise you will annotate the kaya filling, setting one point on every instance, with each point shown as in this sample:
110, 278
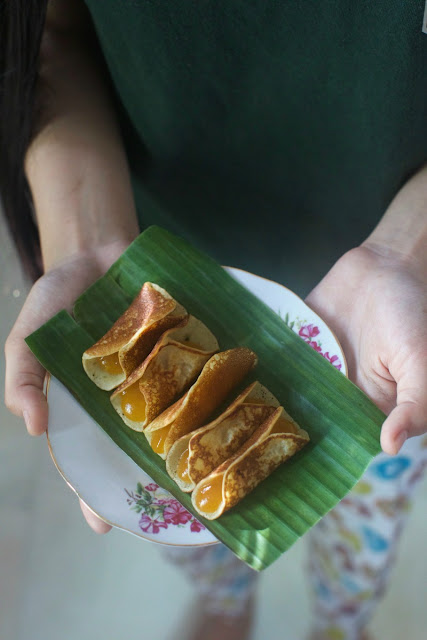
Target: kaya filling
183, 466
111, 364
158, 439
133, 403
209, 497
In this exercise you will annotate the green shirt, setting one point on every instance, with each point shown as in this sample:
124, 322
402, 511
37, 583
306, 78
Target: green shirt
271, 133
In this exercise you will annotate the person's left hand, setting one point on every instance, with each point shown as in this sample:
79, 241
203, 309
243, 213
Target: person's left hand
57, 289
377, 306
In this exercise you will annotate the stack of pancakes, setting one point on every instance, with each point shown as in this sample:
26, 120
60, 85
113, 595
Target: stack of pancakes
170, 381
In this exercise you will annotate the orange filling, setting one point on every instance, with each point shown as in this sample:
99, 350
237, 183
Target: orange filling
284, 426
133, 403
182, 470
209, 497
158, 439
111, 364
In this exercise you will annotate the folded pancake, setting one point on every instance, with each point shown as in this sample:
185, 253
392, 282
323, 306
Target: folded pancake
195, 455
276, 440
174, 363
131, 338
219, 376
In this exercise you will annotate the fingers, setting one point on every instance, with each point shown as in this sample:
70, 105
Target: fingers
24, 380
409, 417
95, 523
34, 406
24, 385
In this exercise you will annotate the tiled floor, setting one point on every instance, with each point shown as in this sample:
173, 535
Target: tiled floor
60, 580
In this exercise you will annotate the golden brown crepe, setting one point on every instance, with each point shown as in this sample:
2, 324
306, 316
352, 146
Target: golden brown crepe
219, 376
195, 455
131, 338
276, 440
174, 363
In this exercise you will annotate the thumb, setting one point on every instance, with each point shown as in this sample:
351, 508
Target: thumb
409, 417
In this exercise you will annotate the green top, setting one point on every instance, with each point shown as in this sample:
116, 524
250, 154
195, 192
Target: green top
270, 133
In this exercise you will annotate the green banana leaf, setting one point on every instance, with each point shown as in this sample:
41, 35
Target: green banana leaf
343, 424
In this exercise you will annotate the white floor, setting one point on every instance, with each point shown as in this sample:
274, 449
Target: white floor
58, 580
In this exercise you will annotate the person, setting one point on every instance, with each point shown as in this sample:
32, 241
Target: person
272, 135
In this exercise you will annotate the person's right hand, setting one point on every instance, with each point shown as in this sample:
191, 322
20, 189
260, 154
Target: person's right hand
57, 289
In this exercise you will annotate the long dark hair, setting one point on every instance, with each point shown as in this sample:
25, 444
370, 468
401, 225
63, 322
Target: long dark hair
21, 28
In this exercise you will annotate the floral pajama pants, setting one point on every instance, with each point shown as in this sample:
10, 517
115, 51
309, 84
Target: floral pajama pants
351, 550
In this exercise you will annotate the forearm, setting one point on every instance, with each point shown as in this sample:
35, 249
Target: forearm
402, 231
76, 165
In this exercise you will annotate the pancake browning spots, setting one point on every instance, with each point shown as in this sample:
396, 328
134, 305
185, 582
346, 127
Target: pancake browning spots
168, 370
219, 376
265, 450
132, 336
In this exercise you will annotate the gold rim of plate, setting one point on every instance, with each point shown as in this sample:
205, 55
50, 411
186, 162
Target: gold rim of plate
299, 494
46, 387
119, 526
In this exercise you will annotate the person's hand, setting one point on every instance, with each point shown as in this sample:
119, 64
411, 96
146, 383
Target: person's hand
376, 303
56, 290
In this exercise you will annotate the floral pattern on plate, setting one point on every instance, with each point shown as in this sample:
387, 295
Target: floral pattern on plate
308, 332
160, 510
98, 471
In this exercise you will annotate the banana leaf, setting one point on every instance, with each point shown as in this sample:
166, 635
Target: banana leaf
343, 424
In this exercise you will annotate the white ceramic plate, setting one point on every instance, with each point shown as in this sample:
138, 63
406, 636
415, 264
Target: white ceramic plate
111, 484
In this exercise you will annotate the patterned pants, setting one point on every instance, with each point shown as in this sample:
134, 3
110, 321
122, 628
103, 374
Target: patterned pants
351, 550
